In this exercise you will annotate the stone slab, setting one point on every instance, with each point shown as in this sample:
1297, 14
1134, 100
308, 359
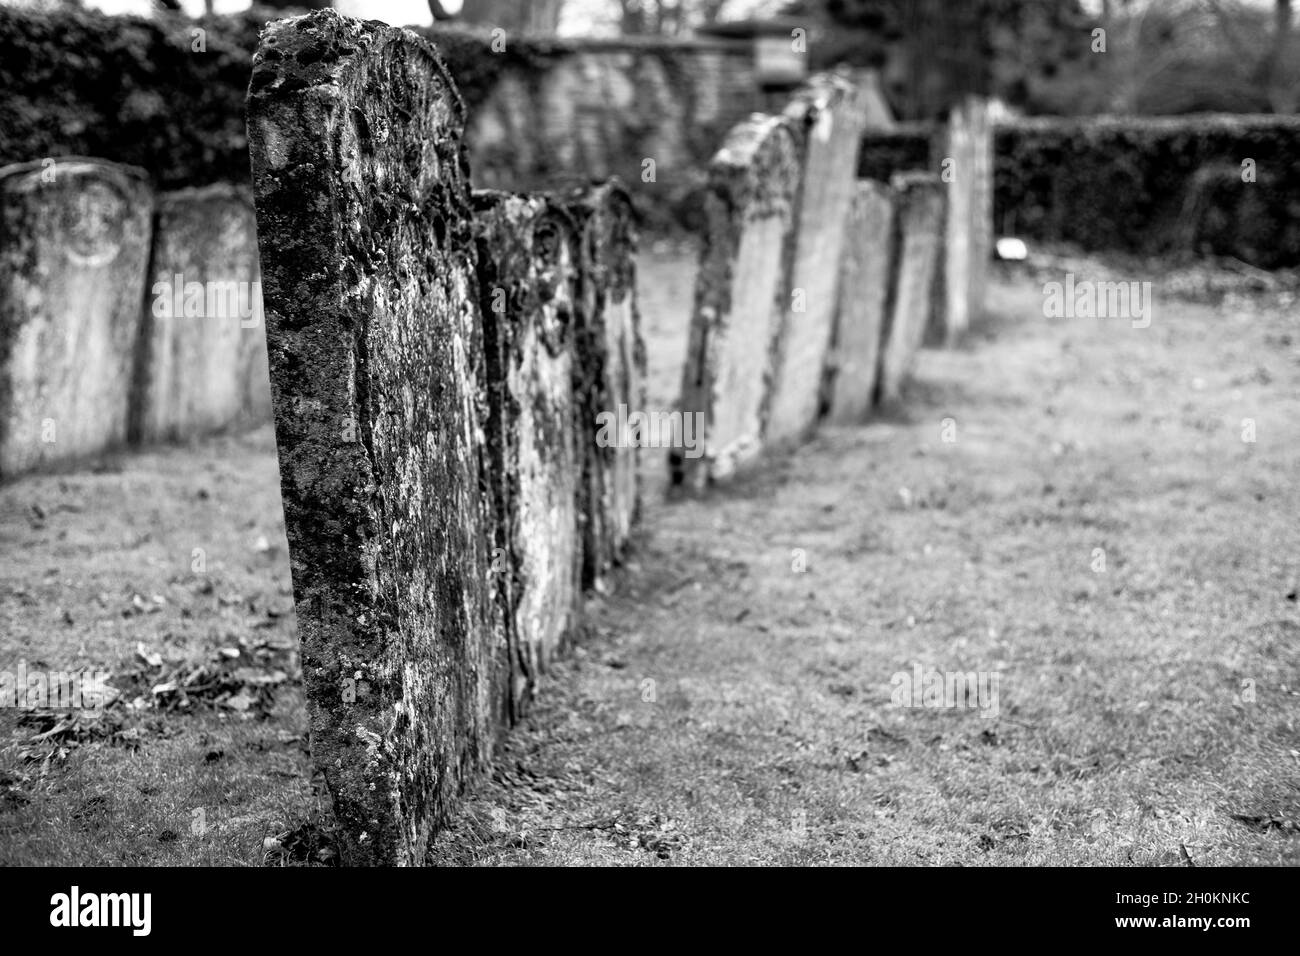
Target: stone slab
528, 257
866, 268
919, 225
982, 238
968, 219
611, 372
74, 251
829, 117
741, 290
378, 375
205, 366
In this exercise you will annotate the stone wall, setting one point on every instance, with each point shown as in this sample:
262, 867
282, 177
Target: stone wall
649, 112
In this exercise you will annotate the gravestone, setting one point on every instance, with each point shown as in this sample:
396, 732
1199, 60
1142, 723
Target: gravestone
527, 254
740, 293
919, 224
829, 117
378, 376
205, 362
968, 219
866, 269
610, 373
981, 204
74, 250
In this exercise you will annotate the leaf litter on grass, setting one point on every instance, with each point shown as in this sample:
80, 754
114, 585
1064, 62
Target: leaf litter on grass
239, 679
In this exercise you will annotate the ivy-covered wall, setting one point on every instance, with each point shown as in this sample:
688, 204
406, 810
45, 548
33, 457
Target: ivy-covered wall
548, 112
126, 89
157, 94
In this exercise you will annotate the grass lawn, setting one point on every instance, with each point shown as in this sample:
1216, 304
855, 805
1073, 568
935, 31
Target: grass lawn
148, 566
768, 734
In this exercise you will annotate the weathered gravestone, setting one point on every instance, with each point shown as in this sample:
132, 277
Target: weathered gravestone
609, 375
951, 315
968, 171
740, 294
981, 204
866, 270
205, 347
377, 371
528, 253
919, 222
74, 250
829, 117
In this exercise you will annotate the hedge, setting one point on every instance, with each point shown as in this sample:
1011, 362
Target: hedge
1154, 185
133, 90
908, 146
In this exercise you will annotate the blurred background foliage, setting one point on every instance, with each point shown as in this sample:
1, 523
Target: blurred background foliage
1105, 175
1156, 57
1040, 57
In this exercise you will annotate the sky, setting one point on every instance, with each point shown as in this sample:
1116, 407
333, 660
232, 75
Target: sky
580, 17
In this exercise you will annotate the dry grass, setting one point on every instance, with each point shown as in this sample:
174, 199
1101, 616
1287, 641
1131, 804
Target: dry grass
87, 558
1120, 736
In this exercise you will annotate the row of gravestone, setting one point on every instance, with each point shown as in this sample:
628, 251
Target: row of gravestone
125, 316
438, 360
816, 289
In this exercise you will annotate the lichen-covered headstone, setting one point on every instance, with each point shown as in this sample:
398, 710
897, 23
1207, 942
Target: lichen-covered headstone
378, 377
866, 270
919, 218
527, 255
205, 365
740, 293
609, 376
74, 250
829, 116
